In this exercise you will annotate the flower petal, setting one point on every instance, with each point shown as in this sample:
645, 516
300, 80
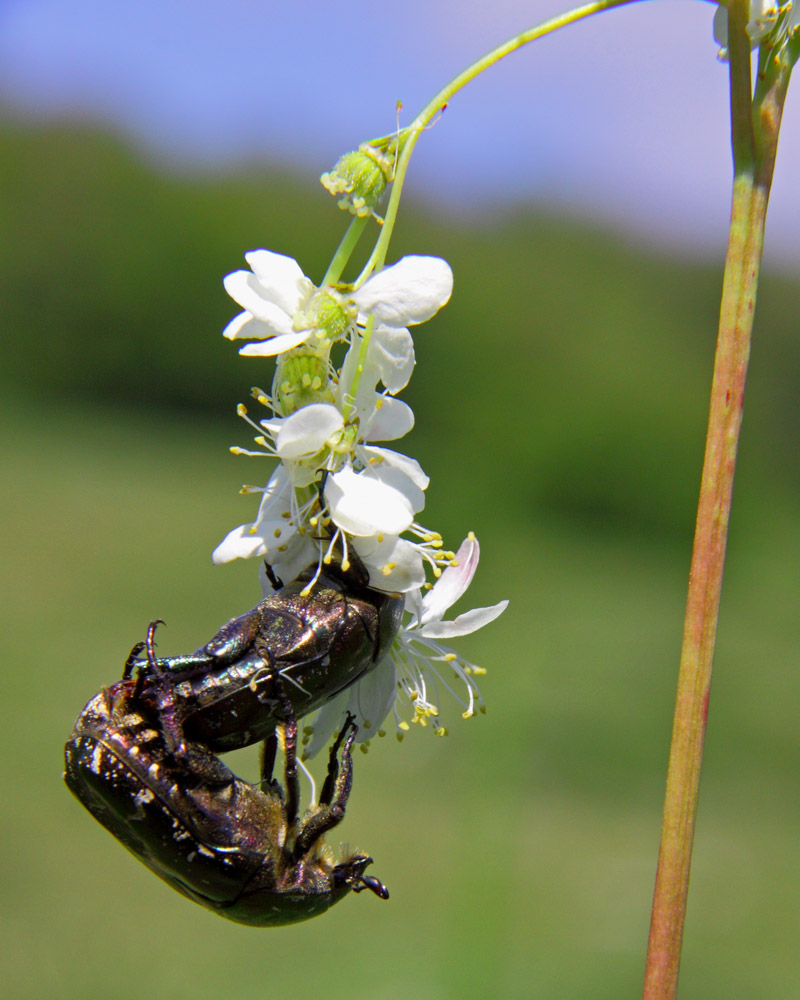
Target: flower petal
306, 431
372, 455
281, 279
393, 563
408, 292
329, 718
391, 349
361, 505
241, 543
470, 621
275, 345
398, 480
453, 582
243, 287
371, 697
392, 419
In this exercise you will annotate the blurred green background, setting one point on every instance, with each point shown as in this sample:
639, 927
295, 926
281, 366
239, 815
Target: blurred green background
561, 402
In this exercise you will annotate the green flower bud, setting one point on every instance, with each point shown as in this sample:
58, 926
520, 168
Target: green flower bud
332, 315
361, 177
301, 378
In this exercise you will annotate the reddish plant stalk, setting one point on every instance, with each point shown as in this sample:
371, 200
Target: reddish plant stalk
754, 157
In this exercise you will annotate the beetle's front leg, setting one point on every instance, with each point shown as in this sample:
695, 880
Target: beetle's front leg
289, 723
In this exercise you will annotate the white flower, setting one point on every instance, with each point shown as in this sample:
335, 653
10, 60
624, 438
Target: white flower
283, 309
273, 536
417, 662
764, 16
272, 293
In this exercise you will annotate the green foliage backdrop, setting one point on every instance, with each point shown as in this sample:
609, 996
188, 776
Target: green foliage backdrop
520, 851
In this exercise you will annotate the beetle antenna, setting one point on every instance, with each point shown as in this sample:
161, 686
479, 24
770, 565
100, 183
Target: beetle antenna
284, 673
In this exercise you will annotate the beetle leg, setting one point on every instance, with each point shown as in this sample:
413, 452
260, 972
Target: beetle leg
333, 763
275, 581
329, 815
269, 749
130, 663
290, 758
169, 721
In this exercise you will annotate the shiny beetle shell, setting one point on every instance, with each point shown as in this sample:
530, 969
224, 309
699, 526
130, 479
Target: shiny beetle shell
311, 644
237, 849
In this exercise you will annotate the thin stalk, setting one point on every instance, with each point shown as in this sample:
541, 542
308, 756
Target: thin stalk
440, 101
753, 157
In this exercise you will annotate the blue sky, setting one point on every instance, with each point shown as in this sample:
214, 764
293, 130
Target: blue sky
621, 118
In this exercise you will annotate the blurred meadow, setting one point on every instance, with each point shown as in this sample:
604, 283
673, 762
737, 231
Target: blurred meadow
520, 851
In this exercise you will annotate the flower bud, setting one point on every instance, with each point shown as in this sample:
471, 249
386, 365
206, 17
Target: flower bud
361, 178
301, 378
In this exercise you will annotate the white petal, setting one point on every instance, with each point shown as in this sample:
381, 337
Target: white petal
241, 543
275, 345
470, 621
246, 327
721, 25
306, 431
243, 287
398, 480
453, 582
233, 330
276, 496
373, 455
411, 291
392, 351
390, 421
361, 505
287, 560
371, 698
393, 563
328, 720
281, 278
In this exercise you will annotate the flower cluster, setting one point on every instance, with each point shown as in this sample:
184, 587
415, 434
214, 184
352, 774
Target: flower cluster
334, 486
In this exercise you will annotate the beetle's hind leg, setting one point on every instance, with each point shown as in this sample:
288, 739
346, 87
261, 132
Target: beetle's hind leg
331, 777
335, 793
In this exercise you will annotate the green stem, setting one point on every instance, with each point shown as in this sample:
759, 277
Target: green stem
346, 246
753, 158
408, 139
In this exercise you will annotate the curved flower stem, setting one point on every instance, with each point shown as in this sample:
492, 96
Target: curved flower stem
409, 136
754, 128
